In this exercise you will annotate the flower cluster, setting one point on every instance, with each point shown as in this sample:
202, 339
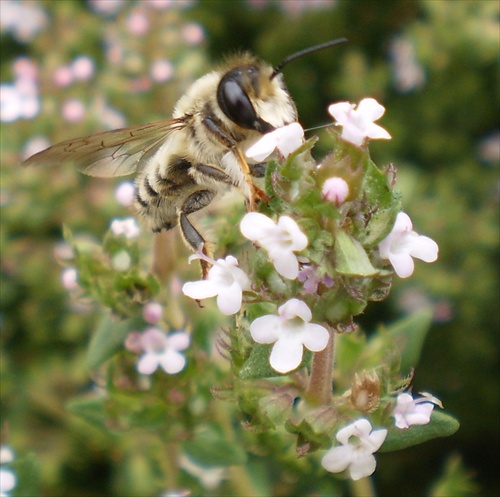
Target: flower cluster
292, 253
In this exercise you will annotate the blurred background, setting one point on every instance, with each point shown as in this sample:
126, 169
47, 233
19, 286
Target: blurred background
70, 68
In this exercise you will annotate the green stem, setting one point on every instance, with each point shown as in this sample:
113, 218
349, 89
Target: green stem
362, 488
319, 390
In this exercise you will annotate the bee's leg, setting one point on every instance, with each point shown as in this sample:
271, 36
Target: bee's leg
258, 170
255, 192
193, 203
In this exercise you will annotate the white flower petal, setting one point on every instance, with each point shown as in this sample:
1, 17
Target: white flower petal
263, 148
337, 459
376, 439
178, 340
424, 248
353, 134
286, 355
285, 262
229, 299
377, 132
340, 110
370, 109
290, 139
291, 228
315, 337
295, 308
172, 362
147, 364
254, 226
362, 466
265, 329
200, 289
360, 428
403, 264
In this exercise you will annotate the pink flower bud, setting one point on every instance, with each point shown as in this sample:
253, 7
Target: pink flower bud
335, 190
152, 312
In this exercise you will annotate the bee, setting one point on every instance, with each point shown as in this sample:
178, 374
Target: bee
183, 163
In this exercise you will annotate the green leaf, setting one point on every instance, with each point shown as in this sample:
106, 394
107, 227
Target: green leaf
383, 204
106, 340
351, 257
210, 447
257, 365
91, 409
409, 335
27, 471
441, 425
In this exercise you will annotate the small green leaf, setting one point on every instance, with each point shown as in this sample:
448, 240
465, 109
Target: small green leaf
91, 409
409, 335
351, 257
106, 340
441, 425
210, 447
257, 365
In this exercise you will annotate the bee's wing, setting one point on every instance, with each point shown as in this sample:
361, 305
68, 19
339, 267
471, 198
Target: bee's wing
112, 153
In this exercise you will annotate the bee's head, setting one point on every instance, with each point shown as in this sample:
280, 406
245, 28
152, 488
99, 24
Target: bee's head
253, 95
253, 100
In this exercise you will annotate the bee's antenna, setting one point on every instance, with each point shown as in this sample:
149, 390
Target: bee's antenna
306, 51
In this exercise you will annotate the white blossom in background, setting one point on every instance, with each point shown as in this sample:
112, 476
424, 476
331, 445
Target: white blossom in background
224, 280
121, 261
280, 240
127, 227
290, 332
358, 124
335, 190
69, 278
162, 350
403, 243
125, 193
358, 443
286, 139
7, 482
6, 454
23, 19
409, 411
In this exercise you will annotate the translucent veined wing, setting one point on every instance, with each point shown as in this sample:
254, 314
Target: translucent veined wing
112, 153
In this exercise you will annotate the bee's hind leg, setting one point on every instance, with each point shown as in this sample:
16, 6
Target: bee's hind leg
193, 203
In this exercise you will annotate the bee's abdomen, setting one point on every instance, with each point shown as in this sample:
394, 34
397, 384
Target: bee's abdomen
157, 196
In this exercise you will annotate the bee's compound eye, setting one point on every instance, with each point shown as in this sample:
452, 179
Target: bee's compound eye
235, 103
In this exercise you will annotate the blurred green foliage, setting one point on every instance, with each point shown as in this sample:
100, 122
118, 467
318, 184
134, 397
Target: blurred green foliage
434, 66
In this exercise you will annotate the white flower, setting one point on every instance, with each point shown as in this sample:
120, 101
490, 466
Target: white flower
7, 482
290, 331
335, 190
161, 350
225, 279
6, 454
403, 243
286, 139
357, 124
127, 227
280, 240
125, 193
69, 278
357, 453
409, 411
